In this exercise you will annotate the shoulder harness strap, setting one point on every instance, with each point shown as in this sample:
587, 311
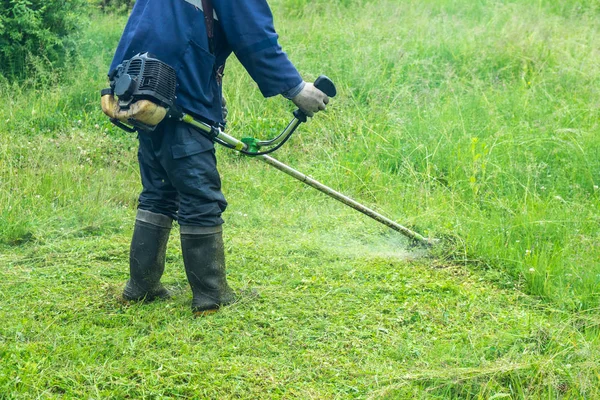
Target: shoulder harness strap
209, 21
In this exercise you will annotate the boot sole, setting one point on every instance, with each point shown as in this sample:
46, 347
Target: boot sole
146, 298
205, 312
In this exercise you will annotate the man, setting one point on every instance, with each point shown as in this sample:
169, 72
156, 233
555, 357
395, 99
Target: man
177, 163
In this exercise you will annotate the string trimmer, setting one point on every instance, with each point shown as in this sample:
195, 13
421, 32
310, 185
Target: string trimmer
145, 90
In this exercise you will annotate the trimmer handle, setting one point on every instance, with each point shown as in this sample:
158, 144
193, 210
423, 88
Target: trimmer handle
325, 85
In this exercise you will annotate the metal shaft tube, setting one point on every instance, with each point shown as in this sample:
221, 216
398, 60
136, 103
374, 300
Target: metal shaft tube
208, 129
312, 182
345, 199
286, 132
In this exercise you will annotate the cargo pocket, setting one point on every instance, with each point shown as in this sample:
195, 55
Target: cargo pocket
187, 141
190, 148
194, 161
197, 73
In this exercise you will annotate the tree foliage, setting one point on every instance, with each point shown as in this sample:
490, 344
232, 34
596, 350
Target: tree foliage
36, 31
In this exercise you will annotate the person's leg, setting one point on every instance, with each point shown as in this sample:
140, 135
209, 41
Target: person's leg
157, 208
192, 169
204, 260
147, 257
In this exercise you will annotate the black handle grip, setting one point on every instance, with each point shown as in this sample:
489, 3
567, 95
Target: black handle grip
106, 91
300, 116
121, 125
325, 85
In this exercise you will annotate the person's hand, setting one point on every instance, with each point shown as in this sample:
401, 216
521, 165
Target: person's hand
310, 100
224, 109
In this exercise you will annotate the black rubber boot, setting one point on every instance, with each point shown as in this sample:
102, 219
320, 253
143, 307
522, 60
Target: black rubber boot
147, 257
204, 259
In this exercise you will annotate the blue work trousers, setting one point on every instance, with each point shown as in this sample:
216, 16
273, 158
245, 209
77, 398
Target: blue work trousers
179, 175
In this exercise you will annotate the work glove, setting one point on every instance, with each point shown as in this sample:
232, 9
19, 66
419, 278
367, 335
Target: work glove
224, 110
310, 100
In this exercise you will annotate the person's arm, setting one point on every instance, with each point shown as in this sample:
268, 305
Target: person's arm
249, 30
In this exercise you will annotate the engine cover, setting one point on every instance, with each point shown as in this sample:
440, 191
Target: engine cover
144, 77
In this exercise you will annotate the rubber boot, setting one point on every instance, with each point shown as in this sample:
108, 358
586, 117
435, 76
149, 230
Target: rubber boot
147, 257
204, 260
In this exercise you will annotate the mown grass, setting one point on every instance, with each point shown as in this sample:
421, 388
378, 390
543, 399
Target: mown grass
328, 323
476, 122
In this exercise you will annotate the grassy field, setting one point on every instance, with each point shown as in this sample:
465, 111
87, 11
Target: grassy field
472, 121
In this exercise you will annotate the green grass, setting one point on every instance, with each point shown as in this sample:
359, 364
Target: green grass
476, 122
339, 315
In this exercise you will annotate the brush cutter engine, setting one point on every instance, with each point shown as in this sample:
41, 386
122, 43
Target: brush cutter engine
145, 91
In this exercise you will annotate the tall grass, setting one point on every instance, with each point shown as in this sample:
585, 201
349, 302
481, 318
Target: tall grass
55, 151
473, 119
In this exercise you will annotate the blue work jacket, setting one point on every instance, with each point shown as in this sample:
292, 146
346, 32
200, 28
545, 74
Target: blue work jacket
175, 32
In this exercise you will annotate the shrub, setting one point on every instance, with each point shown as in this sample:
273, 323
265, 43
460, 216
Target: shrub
35, 32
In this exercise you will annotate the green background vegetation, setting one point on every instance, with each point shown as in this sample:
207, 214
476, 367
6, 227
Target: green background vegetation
473, 121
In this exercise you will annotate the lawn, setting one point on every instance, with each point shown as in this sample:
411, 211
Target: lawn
476, 122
